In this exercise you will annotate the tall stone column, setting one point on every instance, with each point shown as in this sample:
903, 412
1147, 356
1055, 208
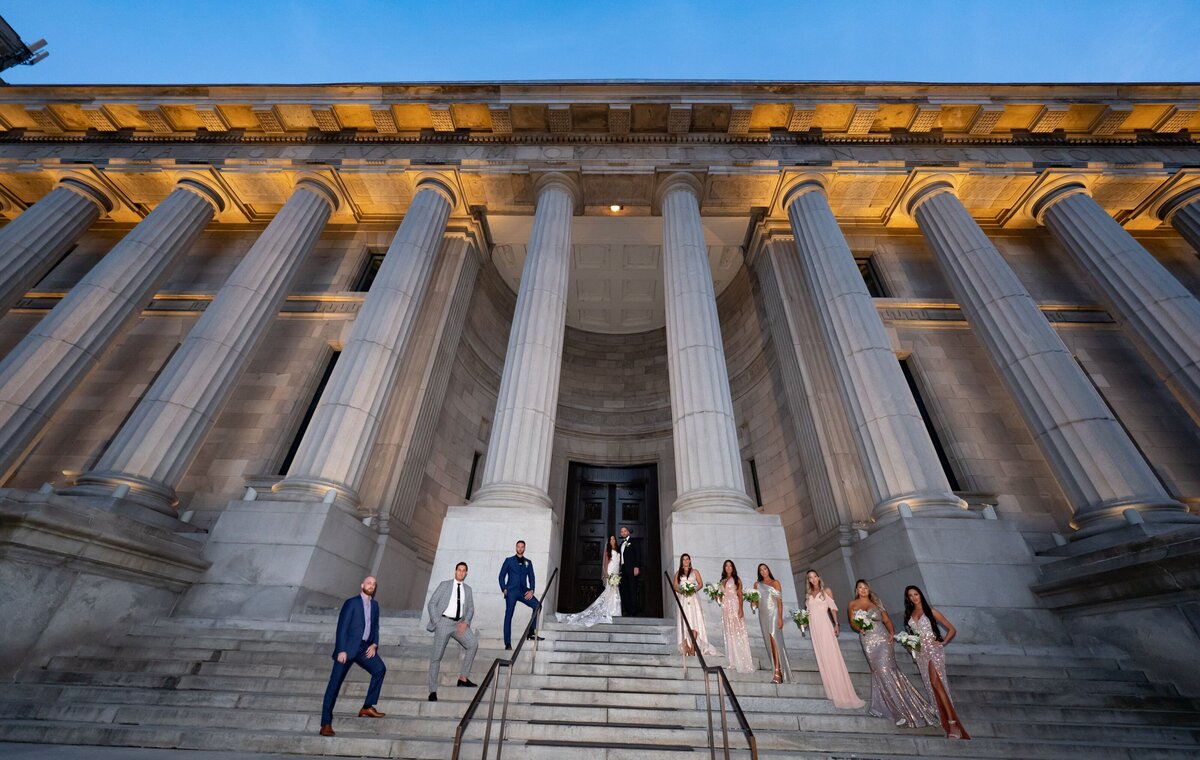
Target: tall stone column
1183, 213
56, 355
901, 465
156, 445
517, 471
713, 518
1163, 315
708, 463
1092, 457
333, 454
33, 242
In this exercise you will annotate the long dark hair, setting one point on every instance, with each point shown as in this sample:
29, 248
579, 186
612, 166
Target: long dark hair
733, 567
758, 572
926, 610
609, 549
679, 572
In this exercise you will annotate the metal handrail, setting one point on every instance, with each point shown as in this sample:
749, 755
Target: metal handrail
722, 684
488, 679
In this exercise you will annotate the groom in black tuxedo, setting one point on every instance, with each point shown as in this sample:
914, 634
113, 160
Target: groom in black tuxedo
631, 561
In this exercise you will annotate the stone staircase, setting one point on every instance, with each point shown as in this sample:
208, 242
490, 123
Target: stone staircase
611, 692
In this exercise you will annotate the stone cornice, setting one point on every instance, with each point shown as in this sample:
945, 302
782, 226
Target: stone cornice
677, 110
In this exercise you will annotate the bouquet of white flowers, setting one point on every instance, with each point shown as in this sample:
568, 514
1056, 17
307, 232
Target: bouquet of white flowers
614, 579
753, 597
863, 621
800, 618
910, 641
687, 588
714, 592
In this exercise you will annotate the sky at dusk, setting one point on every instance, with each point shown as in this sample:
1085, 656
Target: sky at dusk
272, 41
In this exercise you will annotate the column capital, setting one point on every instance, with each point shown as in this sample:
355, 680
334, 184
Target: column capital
439, 184
678, 181
924, 191
801, 186
92, 190
1042, 201
1173, 204
205, 189
562, 181
322, 187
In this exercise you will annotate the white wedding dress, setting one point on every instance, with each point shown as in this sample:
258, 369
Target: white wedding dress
606, 607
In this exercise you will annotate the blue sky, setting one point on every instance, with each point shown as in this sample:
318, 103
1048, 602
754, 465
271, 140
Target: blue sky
272, 41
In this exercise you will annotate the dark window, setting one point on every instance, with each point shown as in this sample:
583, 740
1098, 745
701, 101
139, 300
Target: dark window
50, 271
308, 413
754, 480
471, 478
1128, 435
933, 435
866, 267
362, 283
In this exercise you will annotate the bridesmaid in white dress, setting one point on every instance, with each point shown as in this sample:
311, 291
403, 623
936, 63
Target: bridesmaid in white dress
608, 605
691, 608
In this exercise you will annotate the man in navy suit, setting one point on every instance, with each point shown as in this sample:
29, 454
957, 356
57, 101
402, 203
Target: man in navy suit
517, 585
357, 641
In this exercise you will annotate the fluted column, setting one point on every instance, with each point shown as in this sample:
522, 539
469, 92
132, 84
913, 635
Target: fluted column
517, 471
333, 454
1137, 289
1183, 213
33, 242
60, 350
1091, 455
708, 463
161, 437
901, 465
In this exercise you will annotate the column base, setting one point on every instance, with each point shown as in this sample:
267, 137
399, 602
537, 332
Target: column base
511, 495
1141, 594
921, 505
714, 500
482, 537
746, 537
271, 558
72, 572
976, 572
141, 499
1146, 518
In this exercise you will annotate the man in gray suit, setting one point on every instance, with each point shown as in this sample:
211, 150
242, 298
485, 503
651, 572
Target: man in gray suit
450, 611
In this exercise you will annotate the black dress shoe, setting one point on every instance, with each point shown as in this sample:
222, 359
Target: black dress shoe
467, 684
433, 696
508, 647
535, 637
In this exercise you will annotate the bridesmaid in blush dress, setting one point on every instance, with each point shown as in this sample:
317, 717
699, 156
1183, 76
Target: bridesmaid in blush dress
892, 695
733, 619
770, 621
822, 619
923, 620
691, 608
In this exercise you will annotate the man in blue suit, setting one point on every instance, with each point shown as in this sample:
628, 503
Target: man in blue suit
357, 641
517, 585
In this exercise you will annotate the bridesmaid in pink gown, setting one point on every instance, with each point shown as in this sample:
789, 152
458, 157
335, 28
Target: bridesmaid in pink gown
822, 620
733, 619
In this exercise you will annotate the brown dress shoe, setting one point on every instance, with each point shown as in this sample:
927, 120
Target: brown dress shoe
370, 712
326, 730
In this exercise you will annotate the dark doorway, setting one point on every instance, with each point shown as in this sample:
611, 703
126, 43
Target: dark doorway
600, 501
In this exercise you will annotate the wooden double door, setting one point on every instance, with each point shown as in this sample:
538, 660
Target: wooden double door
601, 501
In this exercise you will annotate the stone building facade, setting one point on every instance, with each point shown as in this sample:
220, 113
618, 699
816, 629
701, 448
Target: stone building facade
260, 341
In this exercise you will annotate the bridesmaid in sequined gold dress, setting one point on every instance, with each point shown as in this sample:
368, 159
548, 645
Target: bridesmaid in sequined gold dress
733, 619
931, 660
892, 695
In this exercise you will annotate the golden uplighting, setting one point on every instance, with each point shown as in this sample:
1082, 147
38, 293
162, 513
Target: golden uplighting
615, 208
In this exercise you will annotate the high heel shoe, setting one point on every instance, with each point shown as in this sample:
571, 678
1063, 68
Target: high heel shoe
778, 677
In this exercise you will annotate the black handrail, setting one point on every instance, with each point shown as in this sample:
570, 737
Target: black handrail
498, 663
722, 683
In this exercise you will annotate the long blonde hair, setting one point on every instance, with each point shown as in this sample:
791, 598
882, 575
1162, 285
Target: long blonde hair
808, 590
875, 600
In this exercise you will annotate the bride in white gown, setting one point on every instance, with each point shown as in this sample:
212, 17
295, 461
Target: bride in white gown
608, 605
